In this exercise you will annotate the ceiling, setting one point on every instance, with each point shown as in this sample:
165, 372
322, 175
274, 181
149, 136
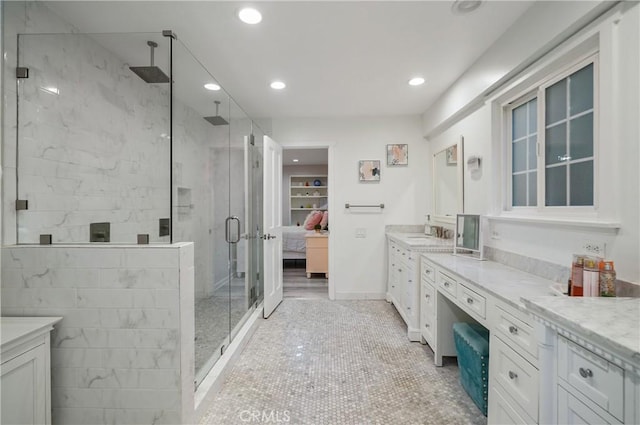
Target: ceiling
305, 156
337, 58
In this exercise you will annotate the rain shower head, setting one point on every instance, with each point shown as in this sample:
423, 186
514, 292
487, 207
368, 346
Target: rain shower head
150, 74
217, 120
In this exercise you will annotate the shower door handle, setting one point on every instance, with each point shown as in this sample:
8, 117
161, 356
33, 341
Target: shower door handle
227, 235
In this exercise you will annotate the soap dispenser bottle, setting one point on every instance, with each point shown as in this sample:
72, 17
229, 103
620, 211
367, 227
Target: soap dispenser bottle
427, 225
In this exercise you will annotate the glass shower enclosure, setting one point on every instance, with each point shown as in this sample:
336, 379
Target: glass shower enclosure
119, 141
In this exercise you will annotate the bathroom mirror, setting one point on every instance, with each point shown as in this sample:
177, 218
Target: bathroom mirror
448, 186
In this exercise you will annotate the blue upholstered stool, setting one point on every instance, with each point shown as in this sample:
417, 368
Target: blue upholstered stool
472, 347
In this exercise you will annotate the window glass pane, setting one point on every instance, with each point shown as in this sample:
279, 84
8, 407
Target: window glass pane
533, 159
519, 156
581, 183
556, 102
533, 115
519, 118
556, 144
555, 186
581, 136
581, 90
533, 189
519, 190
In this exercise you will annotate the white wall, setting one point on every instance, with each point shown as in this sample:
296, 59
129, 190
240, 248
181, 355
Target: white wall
620, 64
358, 265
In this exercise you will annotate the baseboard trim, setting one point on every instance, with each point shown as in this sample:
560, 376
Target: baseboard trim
361, 296
212, 383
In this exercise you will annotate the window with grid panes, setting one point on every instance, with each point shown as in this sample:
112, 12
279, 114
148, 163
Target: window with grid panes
552, 158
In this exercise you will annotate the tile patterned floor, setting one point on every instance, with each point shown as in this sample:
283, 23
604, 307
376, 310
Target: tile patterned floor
317, 361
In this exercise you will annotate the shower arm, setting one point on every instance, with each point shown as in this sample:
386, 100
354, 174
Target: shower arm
152, 45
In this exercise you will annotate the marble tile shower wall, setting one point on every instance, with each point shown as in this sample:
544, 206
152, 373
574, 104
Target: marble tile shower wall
97, 151
124, 352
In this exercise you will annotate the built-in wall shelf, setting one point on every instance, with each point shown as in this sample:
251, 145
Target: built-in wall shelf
305, 196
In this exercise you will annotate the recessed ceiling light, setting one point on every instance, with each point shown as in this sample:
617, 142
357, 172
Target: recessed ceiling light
212, 86
416, 81
249, 15
462, 7
278, 85
295, 160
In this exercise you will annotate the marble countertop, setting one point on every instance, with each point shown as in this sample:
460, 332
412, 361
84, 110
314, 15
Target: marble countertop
421, 242
612, 323
14, 330
501, 281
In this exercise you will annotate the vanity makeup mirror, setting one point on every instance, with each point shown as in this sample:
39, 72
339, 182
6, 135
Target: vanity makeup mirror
468, 238
448, 185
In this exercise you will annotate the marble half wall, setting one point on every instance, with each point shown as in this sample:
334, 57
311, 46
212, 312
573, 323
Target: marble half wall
124, 351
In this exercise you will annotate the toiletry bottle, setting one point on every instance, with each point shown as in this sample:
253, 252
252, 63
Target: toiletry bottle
427, 226
607, 279
590, 277
576, 276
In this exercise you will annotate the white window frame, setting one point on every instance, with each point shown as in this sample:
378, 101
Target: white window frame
537, 90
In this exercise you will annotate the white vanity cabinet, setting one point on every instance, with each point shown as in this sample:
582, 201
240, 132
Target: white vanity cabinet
589, 360
427, 302
25, 374
403, 286
513, 364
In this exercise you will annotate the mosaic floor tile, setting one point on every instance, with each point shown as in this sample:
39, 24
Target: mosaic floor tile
317, 361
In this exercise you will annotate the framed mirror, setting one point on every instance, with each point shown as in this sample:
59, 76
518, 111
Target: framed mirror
448, 183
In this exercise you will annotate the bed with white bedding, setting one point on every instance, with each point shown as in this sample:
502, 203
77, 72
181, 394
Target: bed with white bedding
293, 243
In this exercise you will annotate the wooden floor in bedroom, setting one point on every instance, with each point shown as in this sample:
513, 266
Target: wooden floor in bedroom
296, 284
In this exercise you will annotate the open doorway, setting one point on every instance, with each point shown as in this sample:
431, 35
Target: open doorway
305, 173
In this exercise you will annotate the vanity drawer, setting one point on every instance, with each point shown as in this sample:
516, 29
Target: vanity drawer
447, 283
428, 271
571, 411
472, 300
598, 379
427, 313
503, 411
516, 375
515, 331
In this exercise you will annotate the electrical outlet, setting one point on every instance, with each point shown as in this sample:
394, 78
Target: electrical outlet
594, 248
495, 235
361, 232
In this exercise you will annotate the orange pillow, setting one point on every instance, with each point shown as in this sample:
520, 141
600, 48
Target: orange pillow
312, 219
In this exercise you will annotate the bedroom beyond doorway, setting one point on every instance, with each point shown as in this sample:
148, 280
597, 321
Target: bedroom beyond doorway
305, 199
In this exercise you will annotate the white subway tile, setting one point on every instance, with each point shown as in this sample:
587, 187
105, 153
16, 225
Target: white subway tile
139, 318
76, 357
64, 377
157, 416
141, 399
140, 358
70, 397
152, 258
167, 339
66, 337
105, 298
78, 416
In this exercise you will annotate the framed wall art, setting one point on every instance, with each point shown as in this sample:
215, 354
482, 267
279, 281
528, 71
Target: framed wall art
397, 154
369, 170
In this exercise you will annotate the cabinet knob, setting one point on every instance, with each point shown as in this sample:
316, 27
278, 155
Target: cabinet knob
399, 270
447, 284
585, 373
513, 330
512, 375
469, 300
426, 296
427, 271
426, 325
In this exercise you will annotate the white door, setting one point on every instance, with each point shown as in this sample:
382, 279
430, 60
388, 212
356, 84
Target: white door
272, 225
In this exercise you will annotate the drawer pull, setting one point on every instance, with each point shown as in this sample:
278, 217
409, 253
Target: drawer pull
585, 373
427, 271
426, 325
513, 329
447, 284
512, 375
427, 296
469, 300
